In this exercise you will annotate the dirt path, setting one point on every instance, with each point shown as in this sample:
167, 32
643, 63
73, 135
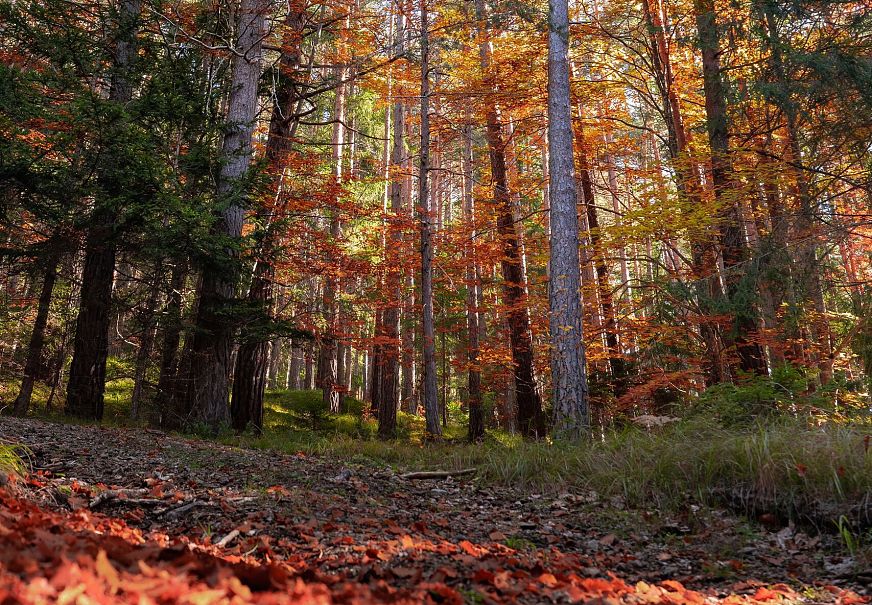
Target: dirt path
342, 525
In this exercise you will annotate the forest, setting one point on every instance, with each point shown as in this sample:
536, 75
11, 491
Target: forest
436, 301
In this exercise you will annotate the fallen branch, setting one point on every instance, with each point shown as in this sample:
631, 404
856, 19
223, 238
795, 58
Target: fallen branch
228, 538
437, 474
120, 494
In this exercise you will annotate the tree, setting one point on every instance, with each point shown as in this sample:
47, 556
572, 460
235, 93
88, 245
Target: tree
90, 347
473, 296
530, 421
425, 216
570, 394
250, 375
37, 335
215, 324
733, 247
389, 372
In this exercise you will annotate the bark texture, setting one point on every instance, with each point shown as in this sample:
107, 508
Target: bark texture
570, 390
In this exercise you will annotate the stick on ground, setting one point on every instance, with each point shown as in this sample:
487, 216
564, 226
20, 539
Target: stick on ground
437, 474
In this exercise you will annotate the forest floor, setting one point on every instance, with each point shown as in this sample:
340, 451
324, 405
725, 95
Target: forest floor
112, 514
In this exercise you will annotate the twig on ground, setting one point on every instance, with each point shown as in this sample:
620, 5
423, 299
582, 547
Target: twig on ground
121, 494
437, 474
184, 508
228, 538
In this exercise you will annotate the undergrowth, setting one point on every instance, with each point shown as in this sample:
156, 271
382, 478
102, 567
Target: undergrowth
784, 463
723, 450
11, 462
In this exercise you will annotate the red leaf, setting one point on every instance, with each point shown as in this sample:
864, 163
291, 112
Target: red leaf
483, 575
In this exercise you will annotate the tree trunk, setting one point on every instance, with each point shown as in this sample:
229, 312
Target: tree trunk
329, 349
733, 248
617, 366
475, 431
409, 399
294, 366
390, 372
375, 366
308, 367
167, 383
214, 334
37, 337
146, 341
253, 358
529, 416
425, 215
87, 378
570, 395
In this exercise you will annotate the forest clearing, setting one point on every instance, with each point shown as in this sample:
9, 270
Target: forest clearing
417, 301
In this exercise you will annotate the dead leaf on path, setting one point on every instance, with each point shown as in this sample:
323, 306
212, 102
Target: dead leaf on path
404, 572
107, 571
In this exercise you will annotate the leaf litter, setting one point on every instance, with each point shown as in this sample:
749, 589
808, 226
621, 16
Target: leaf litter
112, 515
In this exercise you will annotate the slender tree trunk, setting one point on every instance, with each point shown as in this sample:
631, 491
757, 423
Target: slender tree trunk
37, 337
529, 416
167, 383
295, 366
410, 401
329, 349
375, 366
146, 341
57, 366
308, 367
570, 395
390, 372
476, 413
275, 359
410, 316
617, 366
425, 212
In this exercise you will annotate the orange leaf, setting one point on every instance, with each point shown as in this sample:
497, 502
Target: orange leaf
470, 548
107, 571
764, 594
